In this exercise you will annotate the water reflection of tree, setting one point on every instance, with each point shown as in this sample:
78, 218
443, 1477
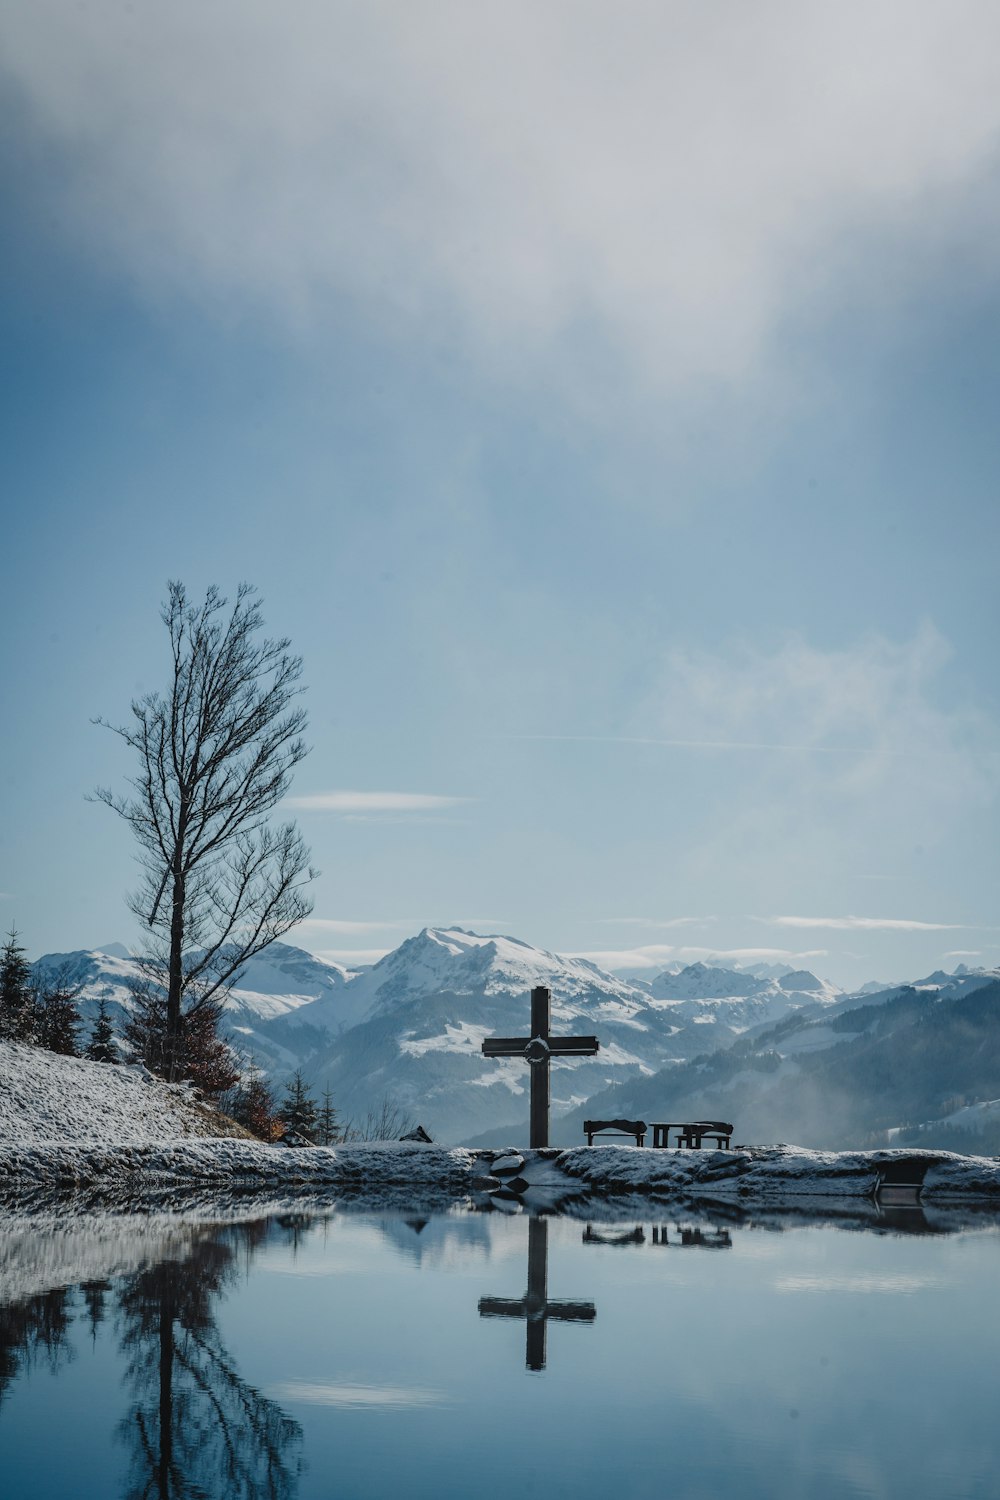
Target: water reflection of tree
34, 1330
195, 1427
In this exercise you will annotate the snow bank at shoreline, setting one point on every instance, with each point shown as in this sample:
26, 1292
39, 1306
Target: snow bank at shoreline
767, 1174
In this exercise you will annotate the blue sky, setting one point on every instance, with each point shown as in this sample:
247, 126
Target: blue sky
604, 401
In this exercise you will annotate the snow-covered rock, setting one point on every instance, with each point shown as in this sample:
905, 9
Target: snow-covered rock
512, 1163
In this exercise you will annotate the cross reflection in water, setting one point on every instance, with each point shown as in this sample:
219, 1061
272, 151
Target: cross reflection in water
535, 1306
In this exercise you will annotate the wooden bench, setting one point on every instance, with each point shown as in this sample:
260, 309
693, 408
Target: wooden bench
635, 1128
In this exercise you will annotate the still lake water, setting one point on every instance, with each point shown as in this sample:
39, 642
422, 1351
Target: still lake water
358, 1354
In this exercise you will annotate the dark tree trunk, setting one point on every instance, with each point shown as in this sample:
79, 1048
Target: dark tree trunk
175, 980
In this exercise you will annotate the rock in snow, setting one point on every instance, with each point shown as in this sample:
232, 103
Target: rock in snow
512, 1162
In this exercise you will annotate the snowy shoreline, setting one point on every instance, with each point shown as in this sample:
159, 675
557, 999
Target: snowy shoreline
140, 1172
103, 1134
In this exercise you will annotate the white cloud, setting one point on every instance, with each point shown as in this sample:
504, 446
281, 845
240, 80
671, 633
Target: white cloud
352, 958
906, 1283
964, 953
653, 922
864, 924
372, 802
920, 759
344, 928
329, 1393
678, 178
398, 924
653, 956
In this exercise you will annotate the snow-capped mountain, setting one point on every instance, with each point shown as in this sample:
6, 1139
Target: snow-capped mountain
737, 999
287, 1005
433, 1000
840, 1073
468, 963
410, 1029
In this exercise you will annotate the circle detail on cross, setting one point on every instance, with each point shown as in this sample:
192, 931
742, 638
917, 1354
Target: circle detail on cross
537, 1050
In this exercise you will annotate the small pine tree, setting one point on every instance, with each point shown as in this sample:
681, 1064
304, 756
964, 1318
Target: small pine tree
17, 998
327, 1122
203, 1056
146, 1027
58, 1021
101, 1047
298, 1109
254, 1108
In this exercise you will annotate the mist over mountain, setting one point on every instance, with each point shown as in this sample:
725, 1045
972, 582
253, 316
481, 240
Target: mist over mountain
916, 1063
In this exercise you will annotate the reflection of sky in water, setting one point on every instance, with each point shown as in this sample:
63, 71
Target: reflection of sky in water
815, 1362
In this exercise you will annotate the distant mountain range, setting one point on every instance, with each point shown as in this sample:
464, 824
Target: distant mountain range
702, 1038
913, 1064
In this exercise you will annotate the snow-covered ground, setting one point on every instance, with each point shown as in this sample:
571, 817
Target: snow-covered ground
763, 1173
45, 1097
114, 1134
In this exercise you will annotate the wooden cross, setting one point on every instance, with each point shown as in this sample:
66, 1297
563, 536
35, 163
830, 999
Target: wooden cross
534, 1306
537, 1049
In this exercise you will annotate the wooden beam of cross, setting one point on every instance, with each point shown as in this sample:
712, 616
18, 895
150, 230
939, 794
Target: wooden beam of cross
534, 1306
537, 1049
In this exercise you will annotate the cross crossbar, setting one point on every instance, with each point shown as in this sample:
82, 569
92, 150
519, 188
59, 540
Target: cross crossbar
559, 1046
512, 1307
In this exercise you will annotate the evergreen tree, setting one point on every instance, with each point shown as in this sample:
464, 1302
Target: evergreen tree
327, 1122
58, 1020
101, 1047
17, 997
298, 1108
254, 1108
200, 1055
205, 1058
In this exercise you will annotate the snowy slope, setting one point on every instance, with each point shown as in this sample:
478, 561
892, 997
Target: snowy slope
467, 963
45, 1098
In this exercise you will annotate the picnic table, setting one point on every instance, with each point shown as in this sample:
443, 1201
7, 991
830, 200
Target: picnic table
691, 1133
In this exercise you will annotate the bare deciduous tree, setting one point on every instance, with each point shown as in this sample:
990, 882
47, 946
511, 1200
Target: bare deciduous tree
385, 1121
216, 752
